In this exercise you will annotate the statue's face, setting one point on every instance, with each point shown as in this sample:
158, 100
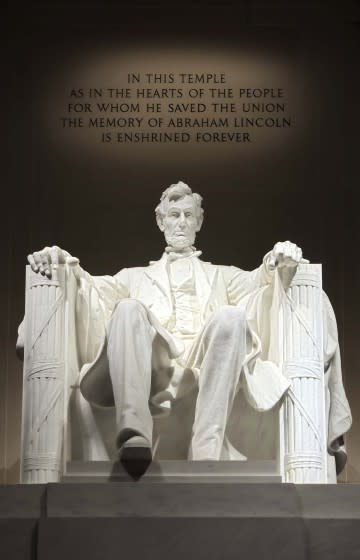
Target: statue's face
181, 223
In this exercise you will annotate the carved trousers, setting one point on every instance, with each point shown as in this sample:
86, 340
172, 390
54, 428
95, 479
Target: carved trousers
138, 356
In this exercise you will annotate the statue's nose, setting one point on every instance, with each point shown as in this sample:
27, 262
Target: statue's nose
182, 220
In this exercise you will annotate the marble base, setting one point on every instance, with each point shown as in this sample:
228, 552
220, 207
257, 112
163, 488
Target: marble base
142, 520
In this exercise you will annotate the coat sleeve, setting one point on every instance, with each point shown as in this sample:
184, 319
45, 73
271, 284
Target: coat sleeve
257, 292
95, 301
241, 284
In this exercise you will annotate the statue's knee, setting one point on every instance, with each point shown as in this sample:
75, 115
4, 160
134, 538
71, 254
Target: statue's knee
229, 318
229, 313
129, 304
127, 309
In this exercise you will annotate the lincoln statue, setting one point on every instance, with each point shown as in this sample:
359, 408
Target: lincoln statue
150, 334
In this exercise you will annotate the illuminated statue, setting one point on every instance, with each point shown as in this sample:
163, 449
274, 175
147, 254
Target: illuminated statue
147, 336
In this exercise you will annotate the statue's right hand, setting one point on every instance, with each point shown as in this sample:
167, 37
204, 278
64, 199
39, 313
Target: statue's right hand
49, 258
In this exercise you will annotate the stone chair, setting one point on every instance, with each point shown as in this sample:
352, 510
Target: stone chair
59, 426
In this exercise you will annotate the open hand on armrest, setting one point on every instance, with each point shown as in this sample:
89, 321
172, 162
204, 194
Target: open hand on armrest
48, 259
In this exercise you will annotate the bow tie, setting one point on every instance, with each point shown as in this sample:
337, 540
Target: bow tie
175, 255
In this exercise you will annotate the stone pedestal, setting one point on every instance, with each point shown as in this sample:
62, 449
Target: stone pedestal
141, 520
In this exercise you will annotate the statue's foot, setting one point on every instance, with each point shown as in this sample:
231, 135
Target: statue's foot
135, 456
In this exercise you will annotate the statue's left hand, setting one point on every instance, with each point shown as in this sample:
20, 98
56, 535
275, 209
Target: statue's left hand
286, 254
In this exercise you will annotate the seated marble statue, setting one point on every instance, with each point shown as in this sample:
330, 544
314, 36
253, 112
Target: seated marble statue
148, 335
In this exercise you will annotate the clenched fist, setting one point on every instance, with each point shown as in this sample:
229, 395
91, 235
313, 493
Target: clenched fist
285, 254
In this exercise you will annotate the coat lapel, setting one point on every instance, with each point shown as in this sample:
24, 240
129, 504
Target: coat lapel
205, 280
158, 274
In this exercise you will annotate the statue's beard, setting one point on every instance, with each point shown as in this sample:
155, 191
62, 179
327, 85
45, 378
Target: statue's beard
180, 242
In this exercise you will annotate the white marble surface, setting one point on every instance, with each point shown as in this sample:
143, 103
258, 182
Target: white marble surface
188, 310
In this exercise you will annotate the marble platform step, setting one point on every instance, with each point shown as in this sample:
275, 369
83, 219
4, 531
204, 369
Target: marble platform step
142, 520
228, 472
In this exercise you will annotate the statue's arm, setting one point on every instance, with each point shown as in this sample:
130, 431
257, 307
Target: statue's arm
243, 283
95, 299
285, 257
47, 260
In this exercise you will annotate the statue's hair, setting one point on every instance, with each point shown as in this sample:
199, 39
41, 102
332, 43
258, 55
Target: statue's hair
178, 191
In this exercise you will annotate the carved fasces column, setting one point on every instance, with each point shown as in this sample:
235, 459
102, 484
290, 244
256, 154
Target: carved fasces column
304, 428
44, 377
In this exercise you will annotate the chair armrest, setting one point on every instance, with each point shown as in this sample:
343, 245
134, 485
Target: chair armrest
47, 337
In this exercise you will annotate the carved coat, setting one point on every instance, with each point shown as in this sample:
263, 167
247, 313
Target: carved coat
215, 286
258, 291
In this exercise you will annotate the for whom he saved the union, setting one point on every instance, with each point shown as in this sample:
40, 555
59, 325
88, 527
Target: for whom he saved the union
148, 335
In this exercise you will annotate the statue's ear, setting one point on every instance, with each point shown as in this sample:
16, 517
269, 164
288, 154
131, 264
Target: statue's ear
159, 221
200, 221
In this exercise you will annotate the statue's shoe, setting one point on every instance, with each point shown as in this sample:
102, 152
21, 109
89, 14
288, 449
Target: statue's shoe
135, 456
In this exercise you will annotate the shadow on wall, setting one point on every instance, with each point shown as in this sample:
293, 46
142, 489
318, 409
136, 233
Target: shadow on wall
11, 475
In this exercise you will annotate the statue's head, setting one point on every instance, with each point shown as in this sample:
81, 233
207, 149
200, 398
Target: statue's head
179, 215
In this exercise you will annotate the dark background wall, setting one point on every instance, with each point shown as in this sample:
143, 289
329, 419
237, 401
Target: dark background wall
63, 187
